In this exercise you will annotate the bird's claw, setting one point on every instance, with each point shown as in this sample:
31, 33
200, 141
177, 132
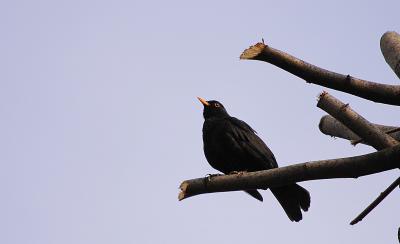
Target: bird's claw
209, 176
237, 172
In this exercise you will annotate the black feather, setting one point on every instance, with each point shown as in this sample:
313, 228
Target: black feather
232, 145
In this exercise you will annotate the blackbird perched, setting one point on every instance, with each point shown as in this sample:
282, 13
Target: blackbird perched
231, 145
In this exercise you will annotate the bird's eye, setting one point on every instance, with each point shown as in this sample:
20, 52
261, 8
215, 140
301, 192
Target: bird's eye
217, 105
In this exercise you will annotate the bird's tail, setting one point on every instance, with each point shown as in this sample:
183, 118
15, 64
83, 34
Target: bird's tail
293, 199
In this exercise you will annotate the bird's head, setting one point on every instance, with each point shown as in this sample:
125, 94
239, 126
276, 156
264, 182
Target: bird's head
213, 109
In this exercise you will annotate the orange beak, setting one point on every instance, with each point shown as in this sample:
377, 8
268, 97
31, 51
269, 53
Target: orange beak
203, 101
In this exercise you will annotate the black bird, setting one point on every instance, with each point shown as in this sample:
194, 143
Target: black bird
231, 145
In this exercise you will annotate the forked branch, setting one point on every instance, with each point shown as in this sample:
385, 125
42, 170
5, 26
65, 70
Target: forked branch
363, 128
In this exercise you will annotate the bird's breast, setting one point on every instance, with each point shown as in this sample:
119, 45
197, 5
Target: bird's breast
215, 145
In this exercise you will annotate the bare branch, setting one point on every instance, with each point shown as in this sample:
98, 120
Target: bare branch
390, 47
388, 94
362, 127
389, 132
351, 167
375, 203
346, 122
332, 127
355, 122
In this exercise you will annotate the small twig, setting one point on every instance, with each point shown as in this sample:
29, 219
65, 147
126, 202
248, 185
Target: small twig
355, 142
372, 91
375, 203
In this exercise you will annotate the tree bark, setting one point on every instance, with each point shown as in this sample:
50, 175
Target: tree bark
351, 167
332, 127
388, 94
390, 47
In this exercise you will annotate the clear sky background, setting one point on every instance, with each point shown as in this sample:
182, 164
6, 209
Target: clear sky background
100, 121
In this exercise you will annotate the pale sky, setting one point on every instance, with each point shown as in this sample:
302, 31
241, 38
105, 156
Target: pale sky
100, 121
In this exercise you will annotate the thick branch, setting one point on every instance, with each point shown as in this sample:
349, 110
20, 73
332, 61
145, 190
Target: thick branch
332, 127
355, 122
363, 128
351, 167
373, 91
390, 47
389, 132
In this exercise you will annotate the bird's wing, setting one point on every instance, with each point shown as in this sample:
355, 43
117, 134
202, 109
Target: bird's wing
250, 146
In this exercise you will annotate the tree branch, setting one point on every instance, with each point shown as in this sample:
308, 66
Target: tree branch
332, 127
382, 93
389, 132
362, 127
375, 203
351, 167
390, 47
355, 122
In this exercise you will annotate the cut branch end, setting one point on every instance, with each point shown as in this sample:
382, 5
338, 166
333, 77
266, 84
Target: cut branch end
253, 51
183, 187
372, 91
321, 96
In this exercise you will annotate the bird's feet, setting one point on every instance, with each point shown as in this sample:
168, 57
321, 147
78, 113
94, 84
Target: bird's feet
237, 172
209, 176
